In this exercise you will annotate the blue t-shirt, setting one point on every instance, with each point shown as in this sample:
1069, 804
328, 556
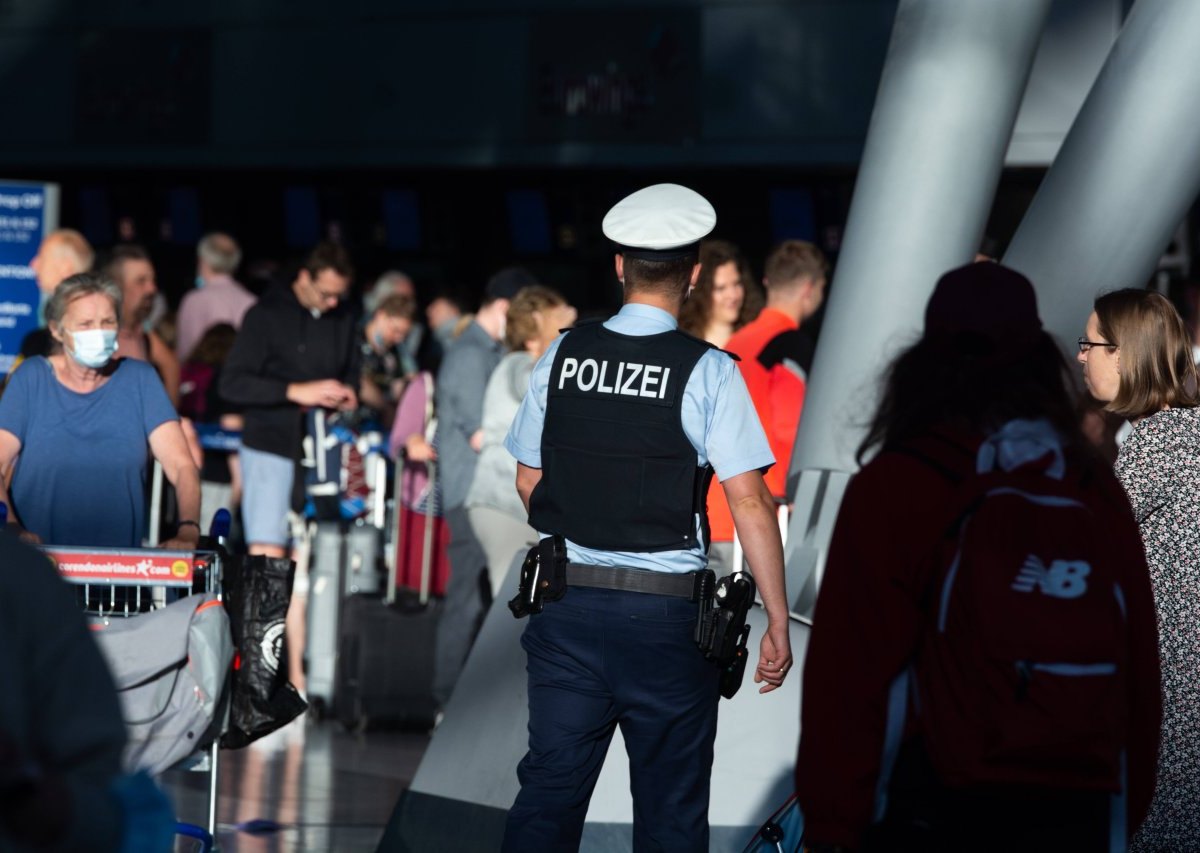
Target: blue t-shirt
81, 475
718, 418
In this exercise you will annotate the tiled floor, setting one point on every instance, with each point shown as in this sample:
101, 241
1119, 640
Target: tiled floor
309, 787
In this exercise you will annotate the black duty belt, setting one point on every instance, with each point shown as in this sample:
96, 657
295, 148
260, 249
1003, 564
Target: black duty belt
624, 579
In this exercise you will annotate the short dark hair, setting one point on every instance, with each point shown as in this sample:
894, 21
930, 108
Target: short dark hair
397, 305
669, 278
793, 260
328, 256
121, 253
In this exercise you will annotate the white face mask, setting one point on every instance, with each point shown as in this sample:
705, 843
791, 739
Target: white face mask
94, 347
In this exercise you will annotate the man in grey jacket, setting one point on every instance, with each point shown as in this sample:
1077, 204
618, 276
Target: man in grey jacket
461, 382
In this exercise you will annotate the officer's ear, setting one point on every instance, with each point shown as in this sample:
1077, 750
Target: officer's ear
695, 275
619, 264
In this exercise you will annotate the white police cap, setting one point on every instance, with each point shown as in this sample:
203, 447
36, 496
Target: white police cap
660, 222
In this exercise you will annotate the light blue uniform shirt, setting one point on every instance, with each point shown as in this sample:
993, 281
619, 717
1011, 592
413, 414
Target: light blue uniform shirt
718, 419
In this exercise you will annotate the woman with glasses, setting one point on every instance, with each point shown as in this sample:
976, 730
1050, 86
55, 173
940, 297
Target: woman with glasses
1137, 359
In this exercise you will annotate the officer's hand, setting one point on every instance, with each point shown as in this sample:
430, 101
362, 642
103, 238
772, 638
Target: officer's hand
774, 657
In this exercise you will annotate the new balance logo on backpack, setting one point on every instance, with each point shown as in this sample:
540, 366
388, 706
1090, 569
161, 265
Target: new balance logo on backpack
1020, 675
1064, 578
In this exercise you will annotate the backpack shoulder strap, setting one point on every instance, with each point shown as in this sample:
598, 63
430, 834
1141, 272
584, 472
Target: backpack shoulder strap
954, 461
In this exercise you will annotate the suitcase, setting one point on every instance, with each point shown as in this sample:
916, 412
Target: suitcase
363, 560
419, 563
416, 534
385, 669
345, 562
326, 582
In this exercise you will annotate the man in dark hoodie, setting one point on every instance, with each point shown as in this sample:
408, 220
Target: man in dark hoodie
297, 349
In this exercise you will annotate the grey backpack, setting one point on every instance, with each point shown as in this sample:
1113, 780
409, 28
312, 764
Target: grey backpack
171, 667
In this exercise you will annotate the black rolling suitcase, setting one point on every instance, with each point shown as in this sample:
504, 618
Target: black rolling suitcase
385, 670
385, 664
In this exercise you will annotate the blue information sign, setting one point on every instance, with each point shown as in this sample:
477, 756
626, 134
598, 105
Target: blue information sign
27, 212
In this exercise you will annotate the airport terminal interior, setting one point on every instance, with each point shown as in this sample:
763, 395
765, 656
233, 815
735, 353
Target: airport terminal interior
302, 215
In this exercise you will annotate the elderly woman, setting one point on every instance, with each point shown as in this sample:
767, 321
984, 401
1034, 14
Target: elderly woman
1136, 356
80, 421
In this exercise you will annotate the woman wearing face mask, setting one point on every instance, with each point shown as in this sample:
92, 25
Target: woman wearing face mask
726, 296
80, 421
1136, 355
535, 317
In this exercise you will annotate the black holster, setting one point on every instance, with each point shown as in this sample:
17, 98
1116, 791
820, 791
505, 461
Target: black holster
543, 577
722, 632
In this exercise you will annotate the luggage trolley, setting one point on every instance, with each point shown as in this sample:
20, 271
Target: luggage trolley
120, 583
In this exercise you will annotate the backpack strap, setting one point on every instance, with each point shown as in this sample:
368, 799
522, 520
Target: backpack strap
952, 460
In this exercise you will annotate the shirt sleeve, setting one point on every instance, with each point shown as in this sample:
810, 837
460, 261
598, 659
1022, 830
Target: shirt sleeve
462, 382
353, 368
524, 440
734, 441
242, 382
156, 405
15, 403
1145, 677
1145, 467
867, 626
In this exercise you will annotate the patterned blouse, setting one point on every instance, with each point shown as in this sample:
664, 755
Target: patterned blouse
1159, 465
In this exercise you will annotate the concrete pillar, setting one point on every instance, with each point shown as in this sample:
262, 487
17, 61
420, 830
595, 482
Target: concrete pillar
1126, 175
952, 83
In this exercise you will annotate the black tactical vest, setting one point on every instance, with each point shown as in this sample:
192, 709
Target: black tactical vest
618, 471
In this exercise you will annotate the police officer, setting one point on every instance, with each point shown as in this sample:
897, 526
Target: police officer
615, 441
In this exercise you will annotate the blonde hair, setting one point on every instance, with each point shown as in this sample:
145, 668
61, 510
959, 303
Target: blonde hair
522, 324
1154, 349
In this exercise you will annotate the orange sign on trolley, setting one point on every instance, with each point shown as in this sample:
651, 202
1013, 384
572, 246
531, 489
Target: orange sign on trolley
132, 568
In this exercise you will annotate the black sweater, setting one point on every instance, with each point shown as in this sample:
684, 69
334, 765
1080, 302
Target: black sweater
280, 342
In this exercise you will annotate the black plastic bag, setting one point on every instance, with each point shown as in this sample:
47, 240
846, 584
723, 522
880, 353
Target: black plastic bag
257, 593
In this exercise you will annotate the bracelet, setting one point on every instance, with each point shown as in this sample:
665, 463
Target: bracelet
180, 524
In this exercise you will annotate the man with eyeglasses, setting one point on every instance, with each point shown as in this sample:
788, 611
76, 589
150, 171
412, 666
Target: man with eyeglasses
297, 349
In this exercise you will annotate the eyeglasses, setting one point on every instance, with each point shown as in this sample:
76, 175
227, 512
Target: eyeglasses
1085, 345
323, 295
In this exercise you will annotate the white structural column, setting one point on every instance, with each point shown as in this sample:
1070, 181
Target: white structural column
952, 83
1127, 172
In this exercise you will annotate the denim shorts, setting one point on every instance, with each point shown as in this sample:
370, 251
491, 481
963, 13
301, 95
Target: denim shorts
266, 496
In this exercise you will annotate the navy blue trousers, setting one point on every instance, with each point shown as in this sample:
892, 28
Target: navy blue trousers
599, 659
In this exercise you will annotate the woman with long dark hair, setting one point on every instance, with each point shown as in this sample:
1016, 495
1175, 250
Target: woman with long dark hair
726, 296
886, 762
1136, 356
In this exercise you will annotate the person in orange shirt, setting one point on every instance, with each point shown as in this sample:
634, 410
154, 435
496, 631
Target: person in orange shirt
775, 358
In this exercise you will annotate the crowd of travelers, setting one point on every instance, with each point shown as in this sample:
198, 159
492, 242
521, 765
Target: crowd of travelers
110, 385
